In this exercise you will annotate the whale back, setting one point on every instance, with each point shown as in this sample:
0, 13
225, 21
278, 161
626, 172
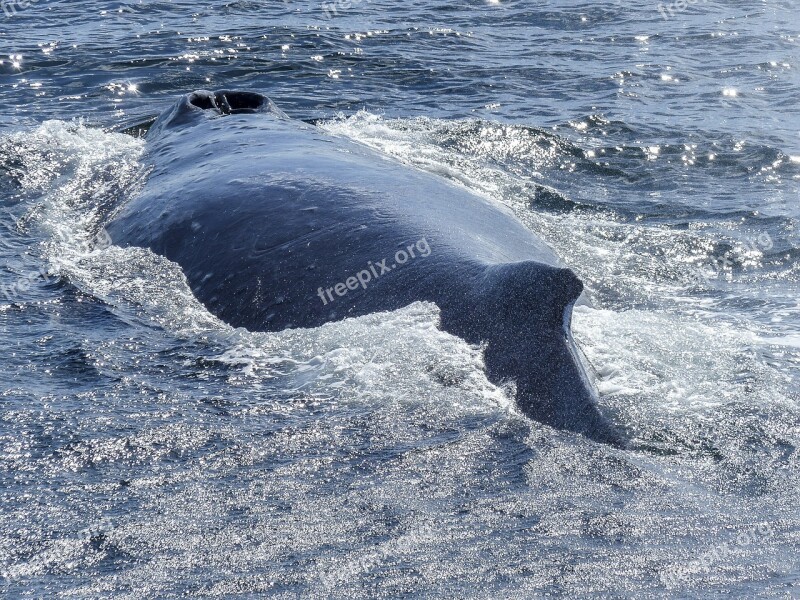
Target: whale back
295, 209
277, 224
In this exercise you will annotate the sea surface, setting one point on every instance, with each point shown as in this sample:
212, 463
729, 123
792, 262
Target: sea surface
148, 450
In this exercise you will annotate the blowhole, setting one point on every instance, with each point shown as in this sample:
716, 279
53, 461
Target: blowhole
239, 102
203, 101
228, 103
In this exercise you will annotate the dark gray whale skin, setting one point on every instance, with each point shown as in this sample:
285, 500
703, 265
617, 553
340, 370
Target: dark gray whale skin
267, 215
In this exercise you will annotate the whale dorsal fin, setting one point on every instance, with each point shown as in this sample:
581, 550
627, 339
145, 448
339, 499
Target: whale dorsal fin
530, 290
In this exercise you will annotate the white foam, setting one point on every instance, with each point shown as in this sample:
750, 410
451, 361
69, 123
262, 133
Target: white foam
392, 357
686, 356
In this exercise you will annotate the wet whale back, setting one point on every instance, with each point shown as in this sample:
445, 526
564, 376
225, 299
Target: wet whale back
308, 211
274, 221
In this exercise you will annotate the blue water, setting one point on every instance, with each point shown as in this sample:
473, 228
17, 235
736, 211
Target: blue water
149, 450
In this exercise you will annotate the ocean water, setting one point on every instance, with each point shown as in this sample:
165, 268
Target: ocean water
149, 450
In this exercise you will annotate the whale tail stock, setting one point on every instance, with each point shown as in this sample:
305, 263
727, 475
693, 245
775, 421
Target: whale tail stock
522, 312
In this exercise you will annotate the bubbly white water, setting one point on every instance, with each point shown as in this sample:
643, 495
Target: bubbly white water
382, 354
683, 353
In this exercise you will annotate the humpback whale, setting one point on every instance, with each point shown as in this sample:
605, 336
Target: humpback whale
277, 224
